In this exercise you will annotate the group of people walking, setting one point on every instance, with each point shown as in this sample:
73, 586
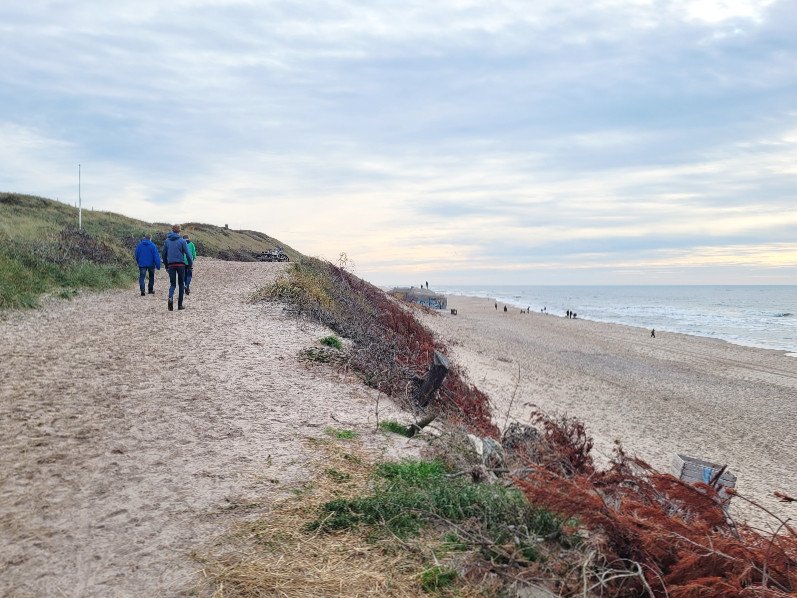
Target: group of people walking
177, 254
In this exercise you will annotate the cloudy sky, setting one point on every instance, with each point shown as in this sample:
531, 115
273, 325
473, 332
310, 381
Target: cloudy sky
501, 141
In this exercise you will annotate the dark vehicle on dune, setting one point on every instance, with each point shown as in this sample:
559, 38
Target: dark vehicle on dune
272, 255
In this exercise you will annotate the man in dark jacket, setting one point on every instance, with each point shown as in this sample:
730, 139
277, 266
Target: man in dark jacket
148, 259
176, 256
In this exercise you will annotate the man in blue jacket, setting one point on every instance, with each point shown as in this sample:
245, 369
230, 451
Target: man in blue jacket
148, 259
176, 256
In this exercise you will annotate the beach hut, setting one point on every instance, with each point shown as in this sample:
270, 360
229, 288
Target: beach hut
420, 296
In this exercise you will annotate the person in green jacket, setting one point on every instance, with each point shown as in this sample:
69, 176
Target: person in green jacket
189, 268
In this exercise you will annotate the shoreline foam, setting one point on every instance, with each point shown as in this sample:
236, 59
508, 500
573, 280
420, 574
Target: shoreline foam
729, 331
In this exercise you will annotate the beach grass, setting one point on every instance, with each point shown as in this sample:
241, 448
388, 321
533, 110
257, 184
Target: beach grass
405, 528
389, 425
413, 494
341, 434
26, 274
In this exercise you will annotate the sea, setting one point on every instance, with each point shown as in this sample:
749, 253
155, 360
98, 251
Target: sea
756, 316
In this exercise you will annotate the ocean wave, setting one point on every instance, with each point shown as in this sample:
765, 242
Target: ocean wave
784, 314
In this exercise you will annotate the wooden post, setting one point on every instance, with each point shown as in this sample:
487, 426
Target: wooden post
433, 381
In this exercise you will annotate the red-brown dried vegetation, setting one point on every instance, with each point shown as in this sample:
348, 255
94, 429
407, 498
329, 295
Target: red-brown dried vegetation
676, 536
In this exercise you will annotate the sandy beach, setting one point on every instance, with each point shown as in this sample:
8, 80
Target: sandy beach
726, 403
131, 435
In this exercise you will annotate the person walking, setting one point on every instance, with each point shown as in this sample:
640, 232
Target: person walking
148, 260
189, 270
175, 253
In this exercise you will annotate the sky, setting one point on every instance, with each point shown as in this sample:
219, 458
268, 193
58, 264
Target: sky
459, 142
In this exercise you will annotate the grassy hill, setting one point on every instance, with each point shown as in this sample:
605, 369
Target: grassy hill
42, 250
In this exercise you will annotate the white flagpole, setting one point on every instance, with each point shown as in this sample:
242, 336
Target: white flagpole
79, 201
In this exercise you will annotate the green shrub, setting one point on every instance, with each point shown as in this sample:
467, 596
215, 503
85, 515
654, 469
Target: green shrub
341, 434
390, 425
332, 341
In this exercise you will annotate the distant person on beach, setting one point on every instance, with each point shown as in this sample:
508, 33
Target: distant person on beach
189, 269
176, 256
427, 284
574, 315
148, 260
496, 306
568, 314
653, 333
505, 308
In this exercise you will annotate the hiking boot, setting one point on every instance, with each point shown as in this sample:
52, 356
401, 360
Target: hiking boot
180, 307
171, 305
150, 292
143, 293
187, 291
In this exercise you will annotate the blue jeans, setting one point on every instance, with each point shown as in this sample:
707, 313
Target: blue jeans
176, 276
189, 274
142, 274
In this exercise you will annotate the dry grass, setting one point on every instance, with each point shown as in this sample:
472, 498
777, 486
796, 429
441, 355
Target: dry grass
276, 555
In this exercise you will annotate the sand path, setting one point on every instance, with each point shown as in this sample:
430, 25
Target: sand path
130, 434
675, 393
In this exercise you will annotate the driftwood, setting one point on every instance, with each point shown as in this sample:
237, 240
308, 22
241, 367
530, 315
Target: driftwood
429, 386
433, 381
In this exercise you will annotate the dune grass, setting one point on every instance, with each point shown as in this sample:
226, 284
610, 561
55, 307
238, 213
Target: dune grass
413, 494
387, 529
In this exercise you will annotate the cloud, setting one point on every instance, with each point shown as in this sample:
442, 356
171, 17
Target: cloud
447, 136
